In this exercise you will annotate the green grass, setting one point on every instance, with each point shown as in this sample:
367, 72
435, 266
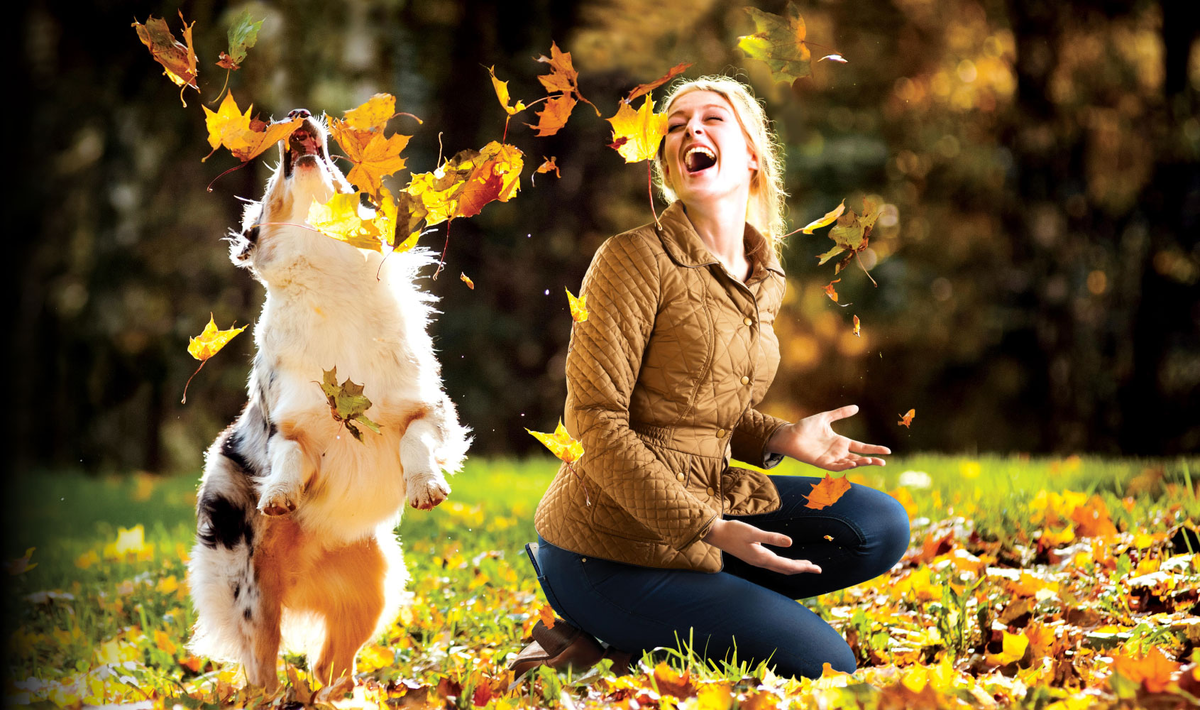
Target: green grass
471, 583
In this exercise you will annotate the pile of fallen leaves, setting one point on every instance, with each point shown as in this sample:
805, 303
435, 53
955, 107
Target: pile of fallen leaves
1060, 599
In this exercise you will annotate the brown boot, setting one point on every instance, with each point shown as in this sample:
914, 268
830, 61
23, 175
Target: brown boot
566, 647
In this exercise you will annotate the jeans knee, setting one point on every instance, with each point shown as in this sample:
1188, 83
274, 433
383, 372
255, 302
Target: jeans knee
894, 532
842, 659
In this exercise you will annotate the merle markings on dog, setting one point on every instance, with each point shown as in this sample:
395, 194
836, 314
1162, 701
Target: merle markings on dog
295, 540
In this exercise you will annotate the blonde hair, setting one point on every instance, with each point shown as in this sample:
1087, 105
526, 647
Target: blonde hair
766, 208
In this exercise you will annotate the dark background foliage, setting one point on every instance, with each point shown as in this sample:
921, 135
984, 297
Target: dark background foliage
1038, 258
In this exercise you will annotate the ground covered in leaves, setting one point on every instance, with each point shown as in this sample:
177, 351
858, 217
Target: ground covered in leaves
1055, 584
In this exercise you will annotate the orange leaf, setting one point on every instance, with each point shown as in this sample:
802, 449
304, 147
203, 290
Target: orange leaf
637, 134
829, 290
1153, 670
246, 138
907, 417
647, 88
554, 116
857, 328
373, 158
671, 682
467, 280
178, 60
547, 616
1092, 520
549, 165
827, 492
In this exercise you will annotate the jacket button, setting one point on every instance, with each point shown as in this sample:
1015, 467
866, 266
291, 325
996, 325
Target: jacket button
749, 321
720, 433
745, 380
680, 477
711, 491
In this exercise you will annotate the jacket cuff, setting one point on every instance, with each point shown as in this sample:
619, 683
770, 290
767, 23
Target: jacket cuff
700, 532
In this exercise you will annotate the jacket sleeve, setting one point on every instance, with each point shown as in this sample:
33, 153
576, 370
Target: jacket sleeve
750, 437
622, 287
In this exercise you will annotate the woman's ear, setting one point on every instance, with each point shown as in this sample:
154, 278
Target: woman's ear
753, 160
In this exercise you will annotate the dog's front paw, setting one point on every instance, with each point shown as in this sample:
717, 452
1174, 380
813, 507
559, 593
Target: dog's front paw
279, 499
426, 492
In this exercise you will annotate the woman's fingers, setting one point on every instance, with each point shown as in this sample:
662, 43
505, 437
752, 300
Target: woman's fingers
858, 447
784, 565
842, 412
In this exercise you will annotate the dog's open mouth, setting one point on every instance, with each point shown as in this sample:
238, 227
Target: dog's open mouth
302, 147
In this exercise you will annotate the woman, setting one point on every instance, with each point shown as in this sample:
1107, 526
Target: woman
653, 539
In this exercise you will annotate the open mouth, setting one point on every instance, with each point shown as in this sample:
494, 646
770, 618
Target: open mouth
302, 146
699, 158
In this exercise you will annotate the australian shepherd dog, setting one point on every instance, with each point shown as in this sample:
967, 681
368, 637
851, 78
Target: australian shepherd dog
295, 517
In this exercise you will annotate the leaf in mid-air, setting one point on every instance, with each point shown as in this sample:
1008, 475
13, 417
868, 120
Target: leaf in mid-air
831, 292
906, 418
177, 58
374, 155
560, 443
463, 185
779, 42
373, 114
554, 115
851, 235
549, 164
208, 343
857, 329
347, 403
651, 86
826, 492
343, 219
211, 340
243, 34
828, 219
834, 58
578, 306
637, 134
467, 280
501, 88
245, 137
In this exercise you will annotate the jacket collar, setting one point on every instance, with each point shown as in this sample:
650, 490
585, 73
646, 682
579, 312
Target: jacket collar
686, 248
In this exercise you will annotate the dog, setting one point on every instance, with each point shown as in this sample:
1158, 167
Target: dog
295, 517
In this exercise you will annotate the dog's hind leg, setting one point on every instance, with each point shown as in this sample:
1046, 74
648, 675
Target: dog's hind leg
346, 586
275, 571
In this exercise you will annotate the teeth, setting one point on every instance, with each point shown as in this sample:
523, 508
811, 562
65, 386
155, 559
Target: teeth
689, 156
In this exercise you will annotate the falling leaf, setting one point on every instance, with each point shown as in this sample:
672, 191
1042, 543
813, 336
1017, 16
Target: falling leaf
825, 221
907, 417
647, 88
857, 330
373, 154
560, 443
562, 77
637, 134
826, 492
546, 614
347, 403
178, 59
578, 306
346, 218
829, 291
21, 564
501, 88
851, 234
549, 164
833, 58
828, 537
1014, 650
243, 34
467, 280
463, 185
779, 42
554, 115
246, 138
208, 343
372, 115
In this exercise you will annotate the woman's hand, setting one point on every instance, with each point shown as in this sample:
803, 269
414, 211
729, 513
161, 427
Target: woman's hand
813, 441
745, 542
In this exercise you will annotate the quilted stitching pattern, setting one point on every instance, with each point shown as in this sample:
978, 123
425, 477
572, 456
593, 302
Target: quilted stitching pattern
662, 380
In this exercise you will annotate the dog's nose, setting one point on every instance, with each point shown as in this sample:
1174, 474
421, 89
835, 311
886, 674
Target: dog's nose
299, 113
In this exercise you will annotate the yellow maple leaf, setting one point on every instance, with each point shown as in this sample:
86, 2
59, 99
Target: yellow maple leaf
207, 344
637, 134
341, 219
560, 443
245, 137
578, 305
374, 155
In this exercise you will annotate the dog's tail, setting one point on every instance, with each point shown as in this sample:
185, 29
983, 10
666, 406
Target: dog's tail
221, 573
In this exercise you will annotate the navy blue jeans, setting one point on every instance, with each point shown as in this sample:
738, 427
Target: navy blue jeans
743, 608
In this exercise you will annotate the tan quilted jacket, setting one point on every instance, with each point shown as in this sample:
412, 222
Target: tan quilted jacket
662, 381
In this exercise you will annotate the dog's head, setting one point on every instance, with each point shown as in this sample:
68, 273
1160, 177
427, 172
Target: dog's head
304, 175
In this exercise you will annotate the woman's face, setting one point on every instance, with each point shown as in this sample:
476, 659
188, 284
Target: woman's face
706, 156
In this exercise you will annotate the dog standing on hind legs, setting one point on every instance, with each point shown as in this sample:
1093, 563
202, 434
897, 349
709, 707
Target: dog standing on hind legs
295, 517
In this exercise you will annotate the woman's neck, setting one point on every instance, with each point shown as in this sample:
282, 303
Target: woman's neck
721, 225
